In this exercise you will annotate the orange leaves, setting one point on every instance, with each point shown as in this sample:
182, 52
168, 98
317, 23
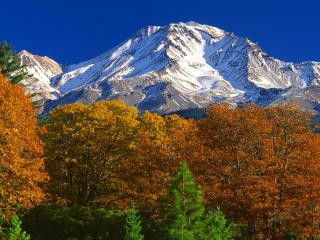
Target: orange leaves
266, 165
22, 168
159, 144
259, 165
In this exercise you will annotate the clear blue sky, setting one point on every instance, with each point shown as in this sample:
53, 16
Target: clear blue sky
70, 31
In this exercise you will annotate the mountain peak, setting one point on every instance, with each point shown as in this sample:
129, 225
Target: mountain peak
25, 52
178, 66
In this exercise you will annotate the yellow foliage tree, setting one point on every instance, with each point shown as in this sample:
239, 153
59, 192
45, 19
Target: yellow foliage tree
159, 144
21, 165
259, 165
83, 144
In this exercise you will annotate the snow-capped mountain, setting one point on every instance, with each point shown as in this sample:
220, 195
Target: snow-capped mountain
42, 70
176, 67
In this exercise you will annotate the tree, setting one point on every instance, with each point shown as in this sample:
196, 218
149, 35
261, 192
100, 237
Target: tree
14, 231
218, 227
186, 211
83, 144
11, 64
133, 226
159, 144
262, 168
22, 167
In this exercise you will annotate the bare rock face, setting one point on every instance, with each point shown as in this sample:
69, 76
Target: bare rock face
176, 67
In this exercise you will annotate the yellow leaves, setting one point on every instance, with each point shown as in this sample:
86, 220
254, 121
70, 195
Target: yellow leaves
93, 150
83, 144
252, 162
159, 144
20, 149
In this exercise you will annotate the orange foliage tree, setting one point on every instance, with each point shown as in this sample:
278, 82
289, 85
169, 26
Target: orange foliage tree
21, 165
159, 144
262, 168
105, 153
259, 165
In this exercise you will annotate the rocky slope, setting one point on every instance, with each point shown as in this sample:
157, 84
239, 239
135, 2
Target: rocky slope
175, 67
42, 70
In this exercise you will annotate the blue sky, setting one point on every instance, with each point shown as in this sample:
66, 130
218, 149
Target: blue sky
70, 31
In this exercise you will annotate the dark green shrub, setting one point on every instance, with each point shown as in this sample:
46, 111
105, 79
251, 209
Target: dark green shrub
77, 223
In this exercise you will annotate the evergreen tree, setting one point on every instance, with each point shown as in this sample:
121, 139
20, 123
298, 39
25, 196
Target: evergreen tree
218, 227
11, 64
187, 211
14, 231
133, 226
186, 215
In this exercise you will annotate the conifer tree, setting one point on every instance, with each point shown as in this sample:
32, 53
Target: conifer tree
133, 226
187, 211
218, 227
14, 231
11, 64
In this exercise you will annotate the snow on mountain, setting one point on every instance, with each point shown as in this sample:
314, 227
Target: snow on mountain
42, 70
175, 67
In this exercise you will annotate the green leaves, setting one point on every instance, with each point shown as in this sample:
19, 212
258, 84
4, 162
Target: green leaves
11, 64
133, 226
53, 222
218, 228
187, 209
13, 230
187, 217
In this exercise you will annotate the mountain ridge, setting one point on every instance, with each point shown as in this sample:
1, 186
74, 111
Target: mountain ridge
176, 67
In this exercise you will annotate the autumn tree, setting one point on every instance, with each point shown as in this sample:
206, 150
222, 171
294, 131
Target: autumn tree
262, 168
83, 143
258, 165
159, 144
22, 168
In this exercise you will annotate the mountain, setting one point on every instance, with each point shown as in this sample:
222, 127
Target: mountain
42, 71
177, 67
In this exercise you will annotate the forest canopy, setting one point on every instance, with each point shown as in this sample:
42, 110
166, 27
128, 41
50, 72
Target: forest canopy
250, 172
258, 165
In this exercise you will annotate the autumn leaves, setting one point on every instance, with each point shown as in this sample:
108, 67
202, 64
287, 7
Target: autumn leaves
259, 166
263, 168
21, 164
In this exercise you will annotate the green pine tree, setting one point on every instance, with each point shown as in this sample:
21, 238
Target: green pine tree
133, 226
14, 231
186, 208
218, 227
186, 215
11, 64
